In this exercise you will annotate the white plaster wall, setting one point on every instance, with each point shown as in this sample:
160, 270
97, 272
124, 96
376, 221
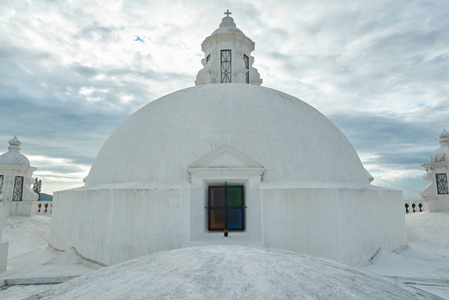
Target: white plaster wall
3, 245
369, 220
110, 226
345, 224
432, 201
439, 203
301, 220
21, 208
9, 173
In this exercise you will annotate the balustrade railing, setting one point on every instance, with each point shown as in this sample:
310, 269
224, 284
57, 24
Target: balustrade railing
44, 207
413, 207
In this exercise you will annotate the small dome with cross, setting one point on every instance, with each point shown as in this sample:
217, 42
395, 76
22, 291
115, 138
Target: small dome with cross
227, 25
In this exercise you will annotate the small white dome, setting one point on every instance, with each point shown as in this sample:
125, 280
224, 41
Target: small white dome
442, 153
292, 140
13, 157
227, 25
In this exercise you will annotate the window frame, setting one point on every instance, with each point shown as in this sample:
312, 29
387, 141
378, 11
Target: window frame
1, 183
441, 182
17, 194
226, 208
226, 66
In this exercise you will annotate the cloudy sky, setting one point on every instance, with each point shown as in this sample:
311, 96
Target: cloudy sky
72, 71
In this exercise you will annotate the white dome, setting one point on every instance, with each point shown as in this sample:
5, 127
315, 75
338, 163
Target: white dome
227, 25
292, 140
230, 272
442, 153
13, 157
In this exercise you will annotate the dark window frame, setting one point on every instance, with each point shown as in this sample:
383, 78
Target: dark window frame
226, 65
225, 207
441, 181
18, 188
1, 183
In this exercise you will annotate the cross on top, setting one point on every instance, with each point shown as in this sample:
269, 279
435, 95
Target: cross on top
227, 13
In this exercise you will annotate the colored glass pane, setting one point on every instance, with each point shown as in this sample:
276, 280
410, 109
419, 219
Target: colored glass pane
235, 219
217, 196
217, 218
234, 196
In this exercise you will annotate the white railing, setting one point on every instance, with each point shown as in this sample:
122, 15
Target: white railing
413, 206
44, 207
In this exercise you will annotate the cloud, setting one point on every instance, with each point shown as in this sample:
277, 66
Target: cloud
74, 72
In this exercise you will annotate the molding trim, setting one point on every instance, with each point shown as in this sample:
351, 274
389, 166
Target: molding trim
220, 151
225, 173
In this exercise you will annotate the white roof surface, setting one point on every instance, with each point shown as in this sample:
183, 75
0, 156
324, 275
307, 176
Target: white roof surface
418, 265
292, 140
231, 272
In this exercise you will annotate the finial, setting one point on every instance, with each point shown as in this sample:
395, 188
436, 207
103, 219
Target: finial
15, 141
227, 13
444, 137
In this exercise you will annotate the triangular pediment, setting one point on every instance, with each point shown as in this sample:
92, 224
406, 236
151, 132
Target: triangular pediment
225, 156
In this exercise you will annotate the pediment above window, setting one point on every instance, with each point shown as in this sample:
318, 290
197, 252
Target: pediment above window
226, 162
225, 156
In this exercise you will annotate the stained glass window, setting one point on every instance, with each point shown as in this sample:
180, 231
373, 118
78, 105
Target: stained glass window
225, 66
18, 188
246, 60
1, 183
442, 183
226, 208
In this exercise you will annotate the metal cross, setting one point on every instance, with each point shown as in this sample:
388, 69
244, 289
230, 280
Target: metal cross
227, 13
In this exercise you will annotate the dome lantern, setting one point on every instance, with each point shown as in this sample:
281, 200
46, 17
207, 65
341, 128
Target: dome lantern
436, 193
13, 156
228, 56
444, 138
15, 180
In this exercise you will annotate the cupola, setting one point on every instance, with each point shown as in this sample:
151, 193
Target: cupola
436, 194
228, 56
15, 180
13, 156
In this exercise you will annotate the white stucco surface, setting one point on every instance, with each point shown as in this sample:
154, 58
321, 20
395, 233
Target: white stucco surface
346, 223
13, 157
304, 186
231, 272
418, 265
291, 139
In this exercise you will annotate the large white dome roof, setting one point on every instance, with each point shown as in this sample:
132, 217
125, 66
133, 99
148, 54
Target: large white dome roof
230, 272
292, 140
